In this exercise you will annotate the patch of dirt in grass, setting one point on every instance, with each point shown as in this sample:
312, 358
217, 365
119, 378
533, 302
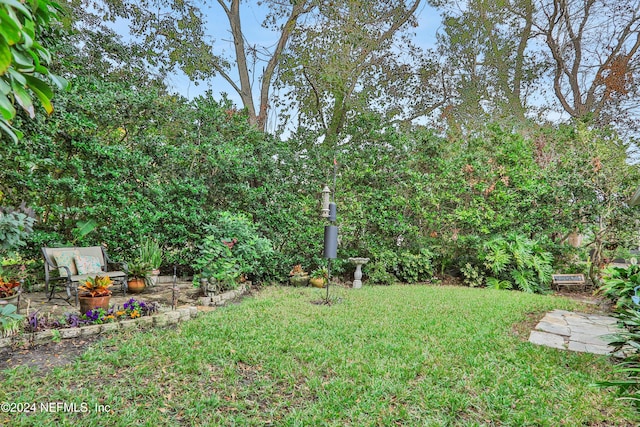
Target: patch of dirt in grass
523, 329
593, 303
45, 357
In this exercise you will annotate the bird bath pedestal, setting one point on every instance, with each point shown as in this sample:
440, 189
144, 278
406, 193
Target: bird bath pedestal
357, 275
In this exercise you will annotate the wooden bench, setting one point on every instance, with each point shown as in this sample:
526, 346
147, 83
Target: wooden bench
61, 269
558, 280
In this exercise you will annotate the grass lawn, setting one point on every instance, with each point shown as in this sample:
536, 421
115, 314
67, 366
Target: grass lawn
399, 355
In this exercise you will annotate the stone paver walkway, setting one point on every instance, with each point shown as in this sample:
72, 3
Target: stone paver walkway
582, 332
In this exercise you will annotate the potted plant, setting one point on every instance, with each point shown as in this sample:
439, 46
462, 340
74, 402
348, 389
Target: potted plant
95, 293
9, 290
298, 277
11, 278
319, 277
139, 273
151, 253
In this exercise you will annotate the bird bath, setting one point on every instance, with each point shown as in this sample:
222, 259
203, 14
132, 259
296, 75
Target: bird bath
357, 275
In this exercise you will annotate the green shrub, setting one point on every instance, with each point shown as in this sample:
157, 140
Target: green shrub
15, 227
232, 247
377, 274
473, 276
412, 268
618, 285
216, 262
629, 342
518, 260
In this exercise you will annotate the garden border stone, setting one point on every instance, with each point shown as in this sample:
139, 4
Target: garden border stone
163, 318
160, 319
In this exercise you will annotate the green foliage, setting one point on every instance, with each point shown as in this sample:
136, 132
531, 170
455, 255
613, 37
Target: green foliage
321, 272
618, 284
150, 253
473, 276
377, 274
216, 263
412, 268
122, 154
629, 343
231, 248
380, 270
139, 269
24, 60
15, 227
250, 251
493, 283
518, 261
10, 320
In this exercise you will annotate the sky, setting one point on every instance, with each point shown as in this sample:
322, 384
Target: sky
252, 15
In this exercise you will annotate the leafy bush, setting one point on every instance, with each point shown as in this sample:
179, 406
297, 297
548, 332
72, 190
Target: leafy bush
412, 268
516, 260
618, 284
216, 262
473, 276
10, 320
377, 274
629, 342
241, 236
15, 227
232, 247
380, 270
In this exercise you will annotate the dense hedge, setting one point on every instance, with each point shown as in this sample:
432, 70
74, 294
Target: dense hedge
148, 163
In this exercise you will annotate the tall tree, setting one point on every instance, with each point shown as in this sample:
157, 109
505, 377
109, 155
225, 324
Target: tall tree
485, 47
593, 48
353, 57
506, 56
175, 35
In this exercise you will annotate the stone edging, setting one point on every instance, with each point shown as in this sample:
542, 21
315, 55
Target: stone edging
223, 298
160, 319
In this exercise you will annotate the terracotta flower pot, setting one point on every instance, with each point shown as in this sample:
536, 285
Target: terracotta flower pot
135, 286
89, 303
317, 282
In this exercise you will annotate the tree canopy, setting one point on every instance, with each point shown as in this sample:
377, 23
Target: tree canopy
24, 59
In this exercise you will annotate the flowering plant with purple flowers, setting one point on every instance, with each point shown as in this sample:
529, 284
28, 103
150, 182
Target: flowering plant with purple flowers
134, 308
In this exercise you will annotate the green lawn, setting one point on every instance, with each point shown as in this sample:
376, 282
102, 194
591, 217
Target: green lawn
400, 355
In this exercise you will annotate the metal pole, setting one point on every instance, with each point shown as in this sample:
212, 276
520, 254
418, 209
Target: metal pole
174, 289
328, 278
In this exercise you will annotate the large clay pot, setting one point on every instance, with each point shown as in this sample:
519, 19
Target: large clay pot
89, 303
317, 282
135, 286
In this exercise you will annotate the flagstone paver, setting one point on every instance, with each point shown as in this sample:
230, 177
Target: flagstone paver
566, 330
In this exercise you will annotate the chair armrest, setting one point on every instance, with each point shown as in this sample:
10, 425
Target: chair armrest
53, 267
119, 265
122, 266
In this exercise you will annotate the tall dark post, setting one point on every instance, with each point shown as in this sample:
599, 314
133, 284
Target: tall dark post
331, 230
